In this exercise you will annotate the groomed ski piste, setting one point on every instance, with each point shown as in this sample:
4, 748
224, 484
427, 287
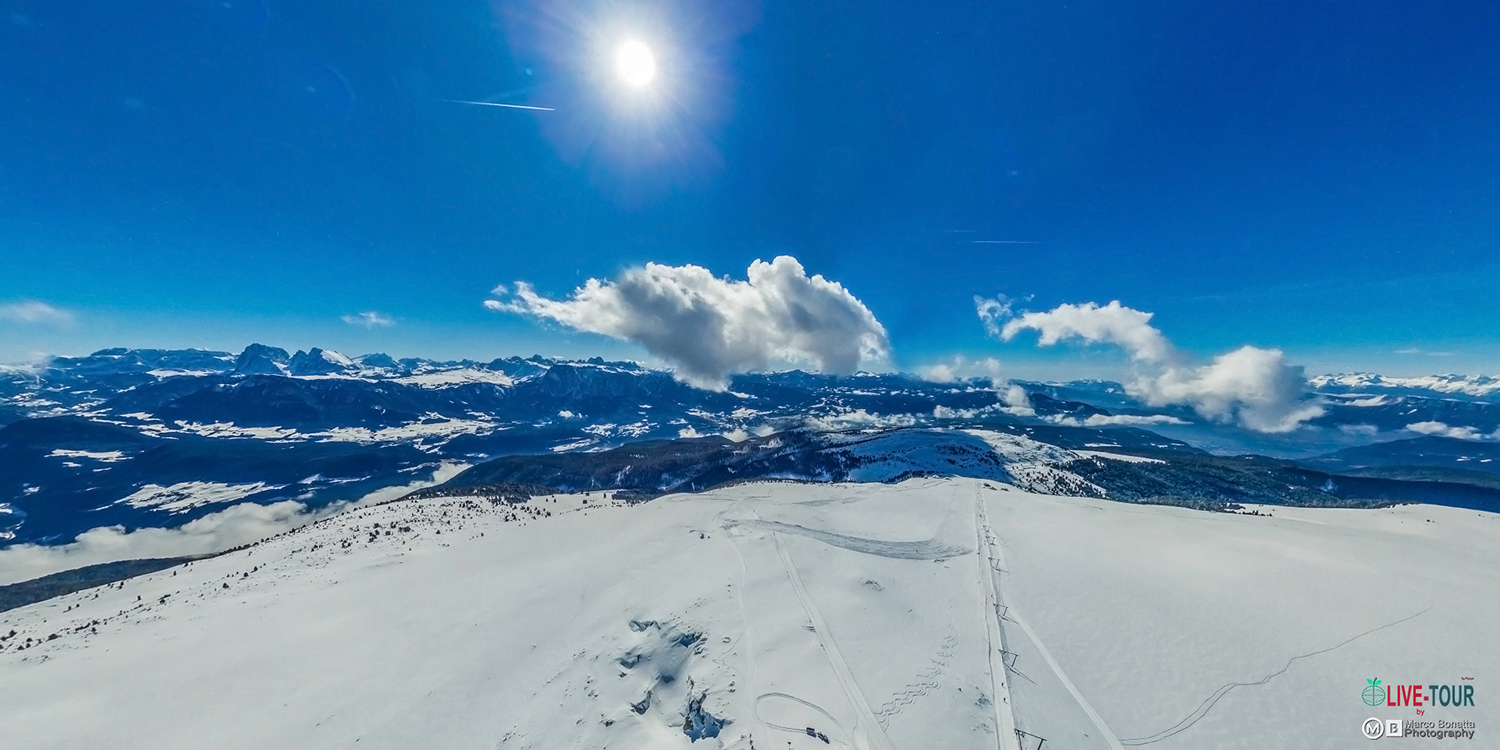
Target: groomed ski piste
931, 613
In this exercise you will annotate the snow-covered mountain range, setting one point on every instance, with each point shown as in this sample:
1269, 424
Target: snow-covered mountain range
1477, 386
159, 438
532, 553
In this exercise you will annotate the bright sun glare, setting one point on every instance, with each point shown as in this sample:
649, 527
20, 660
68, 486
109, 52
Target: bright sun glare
635, 64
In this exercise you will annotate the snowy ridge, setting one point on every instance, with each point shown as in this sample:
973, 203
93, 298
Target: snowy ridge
1478, 386
980, 454
460, 376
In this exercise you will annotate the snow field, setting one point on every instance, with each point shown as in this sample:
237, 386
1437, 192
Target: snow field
753, 612
1156, 613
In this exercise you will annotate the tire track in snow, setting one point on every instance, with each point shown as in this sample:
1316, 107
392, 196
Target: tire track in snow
799, 730
866, 726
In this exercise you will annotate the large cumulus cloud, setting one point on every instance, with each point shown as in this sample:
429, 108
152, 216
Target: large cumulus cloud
1255, 387
709, 327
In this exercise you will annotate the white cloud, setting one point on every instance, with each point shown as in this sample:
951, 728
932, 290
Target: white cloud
1016, 401
740, 434
992, 312
1111, 324
1445, 430
33, 311
948, 412
938, 373
859, 419
236, 525
1256, 387
1013, 398
709, 328
369, 319
29, 369
1132, 420
1117, 420
961, 368
1017, 410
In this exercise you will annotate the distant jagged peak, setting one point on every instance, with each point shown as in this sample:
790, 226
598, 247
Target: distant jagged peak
317, 361
273, 353
378, 359
259, 359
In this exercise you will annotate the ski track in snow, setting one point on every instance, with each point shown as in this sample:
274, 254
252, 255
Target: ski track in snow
1212, 700
925, 683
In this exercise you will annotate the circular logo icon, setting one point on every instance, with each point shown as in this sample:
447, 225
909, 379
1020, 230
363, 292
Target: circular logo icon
1374, 694
1373, 728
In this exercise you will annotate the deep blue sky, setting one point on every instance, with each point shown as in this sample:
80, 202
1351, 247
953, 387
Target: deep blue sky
1319, 176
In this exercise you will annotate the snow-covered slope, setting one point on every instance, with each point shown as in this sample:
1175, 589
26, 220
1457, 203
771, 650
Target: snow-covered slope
866, 612
983, 454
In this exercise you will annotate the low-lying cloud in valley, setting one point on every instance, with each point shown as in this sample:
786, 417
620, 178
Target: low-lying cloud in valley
1255, 387
709, 328
231, 527
962, 368
1460, 432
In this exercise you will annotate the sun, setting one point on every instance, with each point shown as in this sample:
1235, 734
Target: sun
635, 64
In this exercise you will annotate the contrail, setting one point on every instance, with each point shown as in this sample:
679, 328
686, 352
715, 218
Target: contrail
1004, 242
497, 104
